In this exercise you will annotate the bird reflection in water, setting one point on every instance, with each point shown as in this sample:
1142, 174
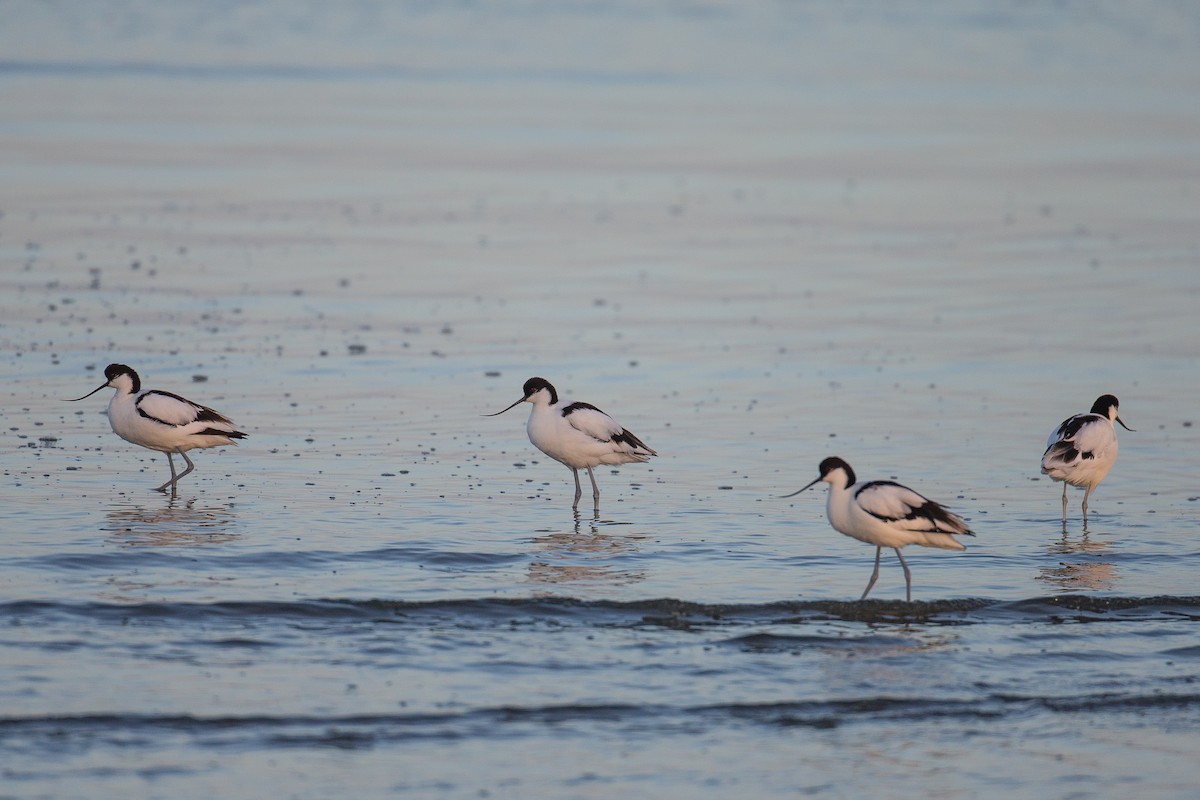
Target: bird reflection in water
585, 555
1089, 574
177, 522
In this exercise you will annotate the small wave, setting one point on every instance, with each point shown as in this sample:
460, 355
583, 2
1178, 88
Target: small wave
277, 560
787, 643
370, 730
663, 612
22, 610
1098, 608
1192, 651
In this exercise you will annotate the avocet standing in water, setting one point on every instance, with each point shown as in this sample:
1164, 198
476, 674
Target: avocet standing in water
578, 435
1082, 450
885, 514
162, 421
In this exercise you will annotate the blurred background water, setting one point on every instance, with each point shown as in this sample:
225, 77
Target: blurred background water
758, 234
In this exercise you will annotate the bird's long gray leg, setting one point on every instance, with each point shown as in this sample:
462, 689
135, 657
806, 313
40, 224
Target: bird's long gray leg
1086, 492
187, 461
1064, 503
578, 489
907, 575
171, 483
595, 490
874, 575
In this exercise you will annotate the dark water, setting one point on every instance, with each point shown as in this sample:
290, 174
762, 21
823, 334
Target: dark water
545, 696
758, 234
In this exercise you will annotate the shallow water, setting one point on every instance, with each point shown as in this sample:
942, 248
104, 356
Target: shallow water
757, 235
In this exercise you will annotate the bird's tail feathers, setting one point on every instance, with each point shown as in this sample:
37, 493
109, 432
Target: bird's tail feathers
946, 541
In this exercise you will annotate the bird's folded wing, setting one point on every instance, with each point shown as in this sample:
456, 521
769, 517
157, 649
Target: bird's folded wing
171, 409
902, 506
588, 419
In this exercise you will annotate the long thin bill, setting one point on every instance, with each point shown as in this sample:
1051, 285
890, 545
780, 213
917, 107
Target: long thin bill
798, 491
89, 394
498, 413
1123, 425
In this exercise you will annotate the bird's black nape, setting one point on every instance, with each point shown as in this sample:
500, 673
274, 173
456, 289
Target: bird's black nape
113, 370
535, 385
1103, 403
832, 463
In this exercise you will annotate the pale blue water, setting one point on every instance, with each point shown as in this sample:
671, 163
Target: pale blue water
757, 234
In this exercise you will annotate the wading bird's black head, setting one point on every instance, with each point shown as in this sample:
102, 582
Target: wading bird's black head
531, 387
118, 376
831, 465
535, 385
1106, 405
112, 371
828, 468
1103, 403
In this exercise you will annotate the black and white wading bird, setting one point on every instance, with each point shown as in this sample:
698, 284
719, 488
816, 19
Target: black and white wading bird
578, 435
886, 514
162, 421
1082, 450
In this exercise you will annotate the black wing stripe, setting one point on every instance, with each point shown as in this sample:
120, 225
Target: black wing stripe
1063, 451
1071, 427
626, 437
219, 432
573, 407
153, 418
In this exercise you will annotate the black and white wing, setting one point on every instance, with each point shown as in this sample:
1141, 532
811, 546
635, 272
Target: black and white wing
586, 418
900, 506
1076, 439
171, 409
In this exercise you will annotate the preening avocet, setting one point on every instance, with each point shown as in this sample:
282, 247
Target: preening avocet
162, 421
578, 435
1082, 450
885, 514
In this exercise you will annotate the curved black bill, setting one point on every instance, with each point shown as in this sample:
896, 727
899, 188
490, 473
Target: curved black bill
798, 491
514, 405
1123, 425
89, 394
